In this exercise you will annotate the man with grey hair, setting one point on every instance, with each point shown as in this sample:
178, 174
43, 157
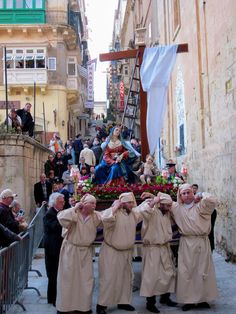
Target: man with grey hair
88, 155
18, 214
42, 190
52, 243
7, 219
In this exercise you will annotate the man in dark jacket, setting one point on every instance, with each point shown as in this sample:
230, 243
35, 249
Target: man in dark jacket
42, 190
97, 150
63, 191
26, 119
52, 243
78, 146
7, 236
7, 218
82, 164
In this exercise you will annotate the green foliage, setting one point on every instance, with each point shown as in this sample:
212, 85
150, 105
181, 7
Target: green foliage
3, 129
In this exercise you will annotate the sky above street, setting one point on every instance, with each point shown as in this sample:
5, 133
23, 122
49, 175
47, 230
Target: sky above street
100, 14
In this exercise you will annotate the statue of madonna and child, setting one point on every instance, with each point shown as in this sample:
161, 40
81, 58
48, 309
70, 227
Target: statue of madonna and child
116, 166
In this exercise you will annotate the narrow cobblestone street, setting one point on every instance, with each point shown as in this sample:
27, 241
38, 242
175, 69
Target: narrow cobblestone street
225, 304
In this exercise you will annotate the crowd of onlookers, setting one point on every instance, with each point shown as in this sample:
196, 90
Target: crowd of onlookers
12, 220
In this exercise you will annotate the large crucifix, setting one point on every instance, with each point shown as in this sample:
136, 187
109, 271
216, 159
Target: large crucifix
131, 54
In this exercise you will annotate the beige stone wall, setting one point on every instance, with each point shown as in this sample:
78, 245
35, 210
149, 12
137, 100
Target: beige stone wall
57, 12
21, 162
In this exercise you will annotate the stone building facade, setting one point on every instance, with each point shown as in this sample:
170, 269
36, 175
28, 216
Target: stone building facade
199, 126
46, 44
21, 163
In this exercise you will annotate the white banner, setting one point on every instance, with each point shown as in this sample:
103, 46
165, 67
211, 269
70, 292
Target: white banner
89, 104
91, 68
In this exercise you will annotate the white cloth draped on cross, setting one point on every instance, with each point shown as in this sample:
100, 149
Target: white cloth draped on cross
156, 68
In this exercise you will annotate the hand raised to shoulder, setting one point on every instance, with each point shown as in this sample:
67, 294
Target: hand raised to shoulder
153, 201
78, 206
147, 195
115, 206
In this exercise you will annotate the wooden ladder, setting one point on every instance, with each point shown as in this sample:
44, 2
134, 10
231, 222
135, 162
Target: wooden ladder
133, 99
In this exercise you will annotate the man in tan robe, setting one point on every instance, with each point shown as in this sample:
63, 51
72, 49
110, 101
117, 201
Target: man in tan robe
75, 279
196, 281
158, 278
115, 260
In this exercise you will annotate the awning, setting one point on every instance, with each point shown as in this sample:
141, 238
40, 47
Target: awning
83, 71
83, 116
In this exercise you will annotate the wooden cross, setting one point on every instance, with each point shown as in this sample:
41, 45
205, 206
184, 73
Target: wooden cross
130, 54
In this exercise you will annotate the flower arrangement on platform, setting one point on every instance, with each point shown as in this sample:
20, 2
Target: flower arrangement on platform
105, 192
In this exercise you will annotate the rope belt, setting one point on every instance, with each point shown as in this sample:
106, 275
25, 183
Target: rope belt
79, 245
194, 236
120, 250
155, 245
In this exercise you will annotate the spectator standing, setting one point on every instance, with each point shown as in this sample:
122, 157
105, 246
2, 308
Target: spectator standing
72, 201
59, 164
63, 191
51, 177
42, 190
68, 179
172, 172
14, 121
82, 164
65, 158
70, 151
97, 150
27, 119
88, 155
49, 165
52, 243
7, 218
78, 146
18, 212
56, 144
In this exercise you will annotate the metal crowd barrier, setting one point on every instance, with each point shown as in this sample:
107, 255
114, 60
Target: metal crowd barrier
14, 266
35, 230
16, 262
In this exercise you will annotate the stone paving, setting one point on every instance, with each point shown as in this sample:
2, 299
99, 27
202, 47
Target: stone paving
225, 304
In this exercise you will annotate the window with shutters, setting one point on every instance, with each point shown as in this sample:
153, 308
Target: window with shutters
72, 66
52, 64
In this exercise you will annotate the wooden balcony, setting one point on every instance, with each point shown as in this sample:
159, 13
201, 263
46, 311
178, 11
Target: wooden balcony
17, 77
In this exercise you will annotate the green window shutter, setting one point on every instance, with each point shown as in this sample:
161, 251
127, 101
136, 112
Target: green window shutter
22, 12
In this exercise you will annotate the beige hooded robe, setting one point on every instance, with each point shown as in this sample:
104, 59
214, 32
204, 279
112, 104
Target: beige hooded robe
75, 279
158, 270
115, 259
196, 281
